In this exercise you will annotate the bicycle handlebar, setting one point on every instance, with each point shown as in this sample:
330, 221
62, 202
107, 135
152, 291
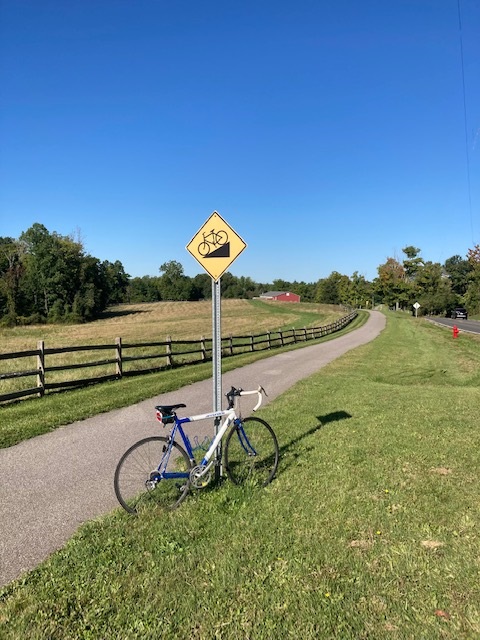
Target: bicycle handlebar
240, 392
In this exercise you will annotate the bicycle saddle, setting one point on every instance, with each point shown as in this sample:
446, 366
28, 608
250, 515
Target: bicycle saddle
169, 408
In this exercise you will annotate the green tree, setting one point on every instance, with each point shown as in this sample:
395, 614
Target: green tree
91, 295
433, 291
472, 295
39, 255
247, 287
229, 286
359, 291
412, 263
11, 272
459, 271
52, 269
281, 285
45, 275
115, 282
202, 287
144, 289
390, 286
333, 290
305, 290
174, 284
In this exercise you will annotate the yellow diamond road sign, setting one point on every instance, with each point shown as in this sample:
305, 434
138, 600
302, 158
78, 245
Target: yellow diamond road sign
216, 246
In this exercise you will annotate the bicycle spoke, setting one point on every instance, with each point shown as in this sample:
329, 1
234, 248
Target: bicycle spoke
251, 452
139, 477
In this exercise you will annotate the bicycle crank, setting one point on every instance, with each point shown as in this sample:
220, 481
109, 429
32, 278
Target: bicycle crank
201, 475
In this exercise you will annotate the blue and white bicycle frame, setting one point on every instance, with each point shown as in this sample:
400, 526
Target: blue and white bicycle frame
200, 474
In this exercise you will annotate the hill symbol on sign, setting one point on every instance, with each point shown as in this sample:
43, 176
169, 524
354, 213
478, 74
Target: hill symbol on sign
222, 252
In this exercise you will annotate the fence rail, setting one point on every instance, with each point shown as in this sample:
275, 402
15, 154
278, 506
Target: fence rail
163, 356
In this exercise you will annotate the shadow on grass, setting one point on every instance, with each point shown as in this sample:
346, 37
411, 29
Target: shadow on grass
412, 376
106, 315
335, 416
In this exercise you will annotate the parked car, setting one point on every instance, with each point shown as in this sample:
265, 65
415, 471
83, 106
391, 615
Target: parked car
459, 312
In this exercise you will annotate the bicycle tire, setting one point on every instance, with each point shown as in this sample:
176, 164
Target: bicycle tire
138, 465
204, 249
251, 452
221, 238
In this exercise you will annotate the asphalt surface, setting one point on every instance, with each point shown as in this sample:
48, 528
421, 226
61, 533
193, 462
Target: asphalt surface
53, 483
468, 326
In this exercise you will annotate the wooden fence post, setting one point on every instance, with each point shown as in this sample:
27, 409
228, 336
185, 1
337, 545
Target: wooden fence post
169, 351
269, 339
41, 368
118, 357
251, 343
202, 348
281, 337
231, 345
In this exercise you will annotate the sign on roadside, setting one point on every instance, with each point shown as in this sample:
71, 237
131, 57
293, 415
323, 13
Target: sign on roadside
216, 245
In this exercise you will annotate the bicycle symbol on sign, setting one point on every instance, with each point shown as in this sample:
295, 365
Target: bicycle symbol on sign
211, 241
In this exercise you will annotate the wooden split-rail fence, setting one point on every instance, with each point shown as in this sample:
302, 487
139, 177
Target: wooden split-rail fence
160, 356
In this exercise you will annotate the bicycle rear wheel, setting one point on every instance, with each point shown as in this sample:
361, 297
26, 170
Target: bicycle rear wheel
138, 476
251, 452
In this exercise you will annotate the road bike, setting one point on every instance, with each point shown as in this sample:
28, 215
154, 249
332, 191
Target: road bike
212, 240
161, 470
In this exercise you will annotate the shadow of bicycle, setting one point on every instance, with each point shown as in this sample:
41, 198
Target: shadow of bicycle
288, 454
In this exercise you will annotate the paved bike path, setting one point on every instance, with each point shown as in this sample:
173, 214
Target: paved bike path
51, 484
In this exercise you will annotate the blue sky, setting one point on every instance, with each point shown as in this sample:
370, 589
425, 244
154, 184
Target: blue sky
329, 135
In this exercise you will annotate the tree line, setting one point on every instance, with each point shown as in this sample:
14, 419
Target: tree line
47, 277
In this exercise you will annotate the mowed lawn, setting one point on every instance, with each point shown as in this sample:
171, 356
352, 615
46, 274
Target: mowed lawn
370, 530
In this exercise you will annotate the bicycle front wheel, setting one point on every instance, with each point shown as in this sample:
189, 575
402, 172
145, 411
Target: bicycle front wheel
251, 452
152, 471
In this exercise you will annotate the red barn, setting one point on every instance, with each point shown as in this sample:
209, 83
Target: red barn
280, 296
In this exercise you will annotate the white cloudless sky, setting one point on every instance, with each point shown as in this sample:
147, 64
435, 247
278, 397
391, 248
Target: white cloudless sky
329, 135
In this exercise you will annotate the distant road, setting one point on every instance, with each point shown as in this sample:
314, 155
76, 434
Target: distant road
472, 326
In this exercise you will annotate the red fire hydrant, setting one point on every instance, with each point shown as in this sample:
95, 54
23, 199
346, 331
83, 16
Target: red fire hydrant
455, 331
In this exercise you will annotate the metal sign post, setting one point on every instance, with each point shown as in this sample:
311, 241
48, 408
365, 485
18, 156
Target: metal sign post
217, 366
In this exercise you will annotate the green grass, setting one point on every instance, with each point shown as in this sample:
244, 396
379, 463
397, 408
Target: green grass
32, 417
370, 530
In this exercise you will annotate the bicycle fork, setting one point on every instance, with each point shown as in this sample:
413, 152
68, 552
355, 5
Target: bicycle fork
244, 441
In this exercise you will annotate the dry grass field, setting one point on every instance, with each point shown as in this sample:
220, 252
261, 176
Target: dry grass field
180, 320
144, 323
